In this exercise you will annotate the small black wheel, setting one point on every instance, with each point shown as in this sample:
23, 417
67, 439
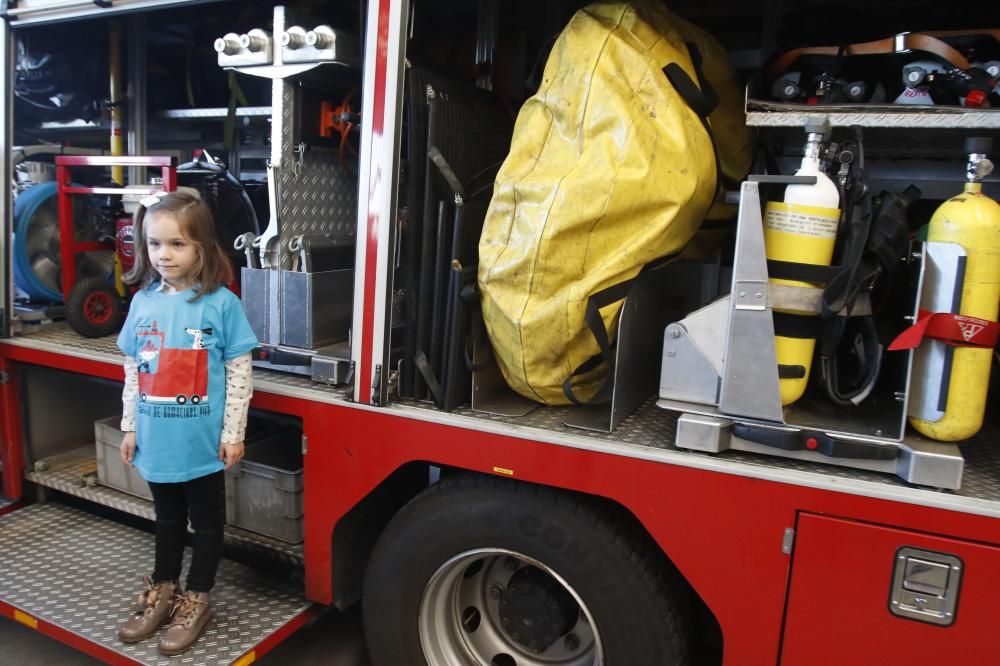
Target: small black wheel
142, 397
181, 399
93, 308
195, 399
486, 571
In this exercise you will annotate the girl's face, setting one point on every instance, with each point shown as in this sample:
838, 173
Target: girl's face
172, 254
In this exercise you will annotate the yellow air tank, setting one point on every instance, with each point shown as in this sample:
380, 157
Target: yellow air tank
802, 229
971, 220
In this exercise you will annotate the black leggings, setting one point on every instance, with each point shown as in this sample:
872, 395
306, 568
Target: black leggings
204, 501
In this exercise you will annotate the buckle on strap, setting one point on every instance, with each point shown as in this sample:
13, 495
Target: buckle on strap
899, 43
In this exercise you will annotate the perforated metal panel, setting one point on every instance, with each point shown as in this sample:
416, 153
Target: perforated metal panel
761, 113
82, 573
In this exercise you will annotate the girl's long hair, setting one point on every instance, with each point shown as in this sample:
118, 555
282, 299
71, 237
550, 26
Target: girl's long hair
194, 218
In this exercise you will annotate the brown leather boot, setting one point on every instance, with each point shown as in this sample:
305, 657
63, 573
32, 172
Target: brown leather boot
152, 609
192, 611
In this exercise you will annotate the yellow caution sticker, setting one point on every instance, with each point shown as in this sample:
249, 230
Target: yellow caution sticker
812, 221
25, 619
502, 470
246, 659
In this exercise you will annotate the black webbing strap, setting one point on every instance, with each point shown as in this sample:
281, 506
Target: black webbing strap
697, 98
595, 323
701, 99
791, 371
797, 326
790, 270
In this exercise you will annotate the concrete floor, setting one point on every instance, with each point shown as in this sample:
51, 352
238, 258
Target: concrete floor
333, 638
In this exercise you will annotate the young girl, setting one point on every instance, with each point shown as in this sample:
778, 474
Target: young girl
188, 380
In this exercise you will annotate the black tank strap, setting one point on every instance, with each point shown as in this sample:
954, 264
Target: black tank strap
790, 270
797, 326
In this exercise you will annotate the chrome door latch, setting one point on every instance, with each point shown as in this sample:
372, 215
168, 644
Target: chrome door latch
925, 586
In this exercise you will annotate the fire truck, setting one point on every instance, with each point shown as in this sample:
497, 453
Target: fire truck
472, 525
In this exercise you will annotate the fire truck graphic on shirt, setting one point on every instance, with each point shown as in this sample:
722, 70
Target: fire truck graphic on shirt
168, 375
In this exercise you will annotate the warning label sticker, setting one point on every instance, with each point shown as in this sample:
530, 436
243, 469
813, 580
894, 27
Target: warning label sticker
811, 221
969, 329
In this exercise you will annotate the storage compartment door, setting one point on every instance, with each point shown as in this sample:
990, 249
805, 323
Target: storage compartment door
846, 576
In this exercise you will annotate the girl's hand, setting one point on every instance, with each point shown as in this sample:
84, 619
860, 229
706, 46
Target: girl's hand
231, 453
127, 448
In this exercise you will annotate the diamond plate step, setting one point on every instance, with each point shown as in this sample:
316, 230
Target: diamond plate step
75, 576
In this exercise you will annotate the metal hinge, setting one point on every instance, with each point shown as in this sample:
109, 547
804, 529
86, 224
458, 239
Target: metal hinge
4, 377
305, 444
788, 541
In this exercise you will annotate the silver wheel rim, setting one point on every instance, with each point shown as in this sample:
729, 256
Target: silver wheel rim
461, 621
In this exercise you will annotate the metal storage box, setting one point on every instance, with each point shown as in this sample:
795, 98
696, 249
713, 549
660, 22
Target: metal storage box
264, 490
111, 471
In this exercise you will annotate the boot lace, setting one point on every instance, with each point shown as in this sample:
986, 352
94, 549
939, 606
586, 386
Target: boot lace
148, 598
185, 609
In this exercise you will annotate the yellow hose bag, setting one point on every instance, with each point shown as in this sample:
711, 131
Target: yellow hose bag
612, 167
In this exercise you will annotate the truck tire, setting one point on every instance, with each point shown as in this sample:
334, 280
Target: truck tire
483, 570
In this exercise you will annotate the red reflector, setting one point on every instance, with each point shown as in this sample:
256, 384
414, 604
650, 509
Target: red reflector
975, 98
264, 355
811, 443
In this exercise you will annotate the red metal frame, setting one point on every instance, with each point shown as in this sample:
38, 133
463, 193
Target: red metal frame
68, 246
11, 450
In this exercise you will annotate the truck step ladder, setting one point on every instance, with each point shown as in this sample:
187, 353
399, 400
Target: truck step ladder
74, 576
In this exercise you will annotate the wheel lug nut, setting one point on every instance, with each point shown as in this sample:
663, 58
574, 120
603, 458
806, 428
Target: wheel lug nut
571, 642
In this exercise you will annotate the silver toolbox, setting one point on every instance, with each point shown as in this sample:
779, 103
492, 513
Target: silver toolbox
316, 308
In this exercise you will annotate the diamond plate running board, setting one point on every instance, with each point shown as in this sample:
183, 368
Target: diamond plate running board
74, 576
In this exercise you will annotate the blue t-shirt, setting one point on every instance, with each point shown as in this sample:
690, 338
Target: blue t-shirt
181, 348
